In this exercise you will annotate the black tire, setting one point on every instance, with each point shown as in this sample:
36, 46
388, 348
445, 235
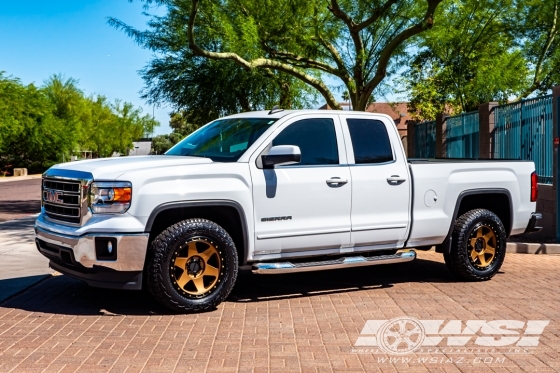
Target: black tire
470, 240
204, 247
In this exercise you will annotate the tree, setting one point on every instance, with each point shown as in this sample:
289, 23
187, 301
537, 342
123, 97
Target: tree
97, 135
538, 30
179, 123
355, 41
204, 89
465, 60
163, 143
111, 128
42, 126
31, 135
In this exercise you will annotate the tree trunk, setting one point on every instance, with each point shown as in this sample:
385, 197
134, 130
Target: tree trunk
285, 98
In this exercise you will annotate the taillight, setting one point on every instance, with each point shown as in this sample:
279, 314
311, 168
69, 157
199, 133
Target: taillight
534, 186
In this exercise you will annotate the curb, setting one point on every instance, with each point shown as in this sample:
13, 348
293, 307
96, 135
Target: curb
532, 248
19, 178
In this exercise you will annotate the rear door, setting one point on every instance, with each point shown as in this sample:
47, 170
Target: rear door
305, 206
380, 182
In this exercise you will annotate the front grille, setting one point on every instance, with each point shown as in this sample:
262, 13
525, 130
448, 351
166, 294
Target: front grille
62, 200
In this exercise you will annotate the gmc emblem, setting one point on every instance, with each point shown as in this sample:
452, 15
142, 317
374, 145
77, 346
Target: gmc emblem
53, 196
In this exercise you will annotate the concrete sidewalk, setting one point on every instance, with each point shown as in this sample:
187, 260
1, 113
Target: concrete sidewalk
533, 248
19, 178
21, 265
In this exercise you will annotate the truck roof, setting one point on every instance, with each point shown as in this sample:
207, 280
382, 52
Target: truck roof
282, 113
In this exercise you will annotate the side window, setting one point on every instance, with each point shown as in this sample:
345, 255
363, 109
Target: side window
316, 139
370, 141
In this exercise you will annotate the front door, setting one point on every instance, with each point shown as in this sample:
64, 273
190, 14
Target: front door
305, 206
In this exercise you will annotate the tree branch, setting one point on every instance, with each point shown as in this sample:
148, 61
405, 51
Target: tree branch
261, 63
387, 52
333, 52
550, 36
307, 62
377, 13
356, 39
355, 29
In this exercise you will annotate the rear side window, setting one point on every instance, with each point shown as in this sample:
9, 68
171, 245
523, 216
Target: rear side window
316, 139
370, 141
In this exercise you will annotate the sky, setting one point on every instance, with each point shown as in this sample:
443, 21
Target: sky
40, 38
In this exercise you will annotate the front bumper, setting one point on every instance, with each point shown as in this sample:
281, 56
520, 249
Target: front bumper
77, 256
533, 223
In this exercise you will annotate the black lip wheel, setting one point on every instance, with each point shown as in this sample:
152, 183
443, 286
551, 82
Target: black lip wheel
478, 246
192, 266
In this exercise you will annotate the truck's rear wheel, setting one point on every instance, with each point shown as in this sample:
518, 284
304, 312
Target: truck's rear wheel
192, 266
478, 246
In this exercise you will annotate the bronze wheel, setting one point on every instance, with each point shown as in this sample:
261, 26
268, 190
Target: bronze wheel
191, 266
478, 246
197, 267
482, 246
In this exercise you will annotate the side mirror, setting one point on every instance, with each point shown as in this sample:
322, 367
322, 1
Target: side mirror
281, 155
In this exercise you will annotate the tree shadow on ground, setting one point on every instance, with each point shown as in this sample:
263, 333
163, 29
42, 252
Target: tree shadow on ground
64, 295
20, 207
17, 232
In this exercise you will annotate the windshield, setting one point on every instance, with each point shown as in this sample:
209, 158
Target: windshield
223, 140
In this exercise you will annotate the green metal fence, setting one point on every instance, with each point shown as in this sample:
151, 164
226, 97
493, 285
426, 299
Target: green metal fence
462, 135
425, 140
523, 130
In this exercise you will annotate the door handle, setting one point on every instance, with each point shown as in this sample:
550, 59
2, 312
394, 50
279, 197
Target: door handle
336, 180
395, 180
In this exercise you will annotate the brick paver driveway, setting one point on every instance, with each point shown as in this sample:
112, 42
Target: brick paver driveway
299, 322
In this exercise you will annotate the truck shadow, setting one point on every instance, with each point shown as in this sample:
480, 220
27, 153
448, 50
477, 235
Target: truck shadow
64, 295
259, 288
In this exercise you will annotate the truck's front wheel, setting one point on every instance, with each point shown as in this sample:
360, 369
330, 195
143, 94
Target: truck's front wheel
192, 266
478, 246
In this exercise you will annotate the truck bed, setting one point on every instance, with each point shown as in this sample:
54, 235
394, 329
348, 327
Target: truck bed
438, 187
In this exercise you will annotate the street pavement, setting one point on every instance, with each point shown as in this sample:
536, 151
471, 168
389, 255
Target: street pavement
19, 198
305, 322
21, 265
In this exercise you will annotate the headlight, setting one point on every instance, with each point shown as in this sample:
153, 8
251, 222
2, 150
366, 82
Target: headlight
108, 197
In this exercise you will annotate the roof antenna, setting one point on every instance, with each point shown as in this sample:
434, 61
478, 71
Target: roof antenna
275, 109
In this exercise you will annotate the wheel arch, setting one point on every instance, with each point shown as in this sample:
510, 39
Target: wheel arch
497, 200
228, 214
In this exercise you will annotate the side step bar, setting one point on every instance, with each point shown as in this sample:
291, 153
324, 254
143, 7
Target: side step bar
346, 262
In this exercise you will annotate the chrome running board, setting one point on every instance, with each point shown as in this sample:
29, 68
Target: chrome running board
346, 262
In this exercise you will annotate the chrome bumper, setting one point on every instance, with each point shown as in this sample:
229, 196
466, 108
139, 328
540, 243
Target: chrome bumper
130, 249
76, 256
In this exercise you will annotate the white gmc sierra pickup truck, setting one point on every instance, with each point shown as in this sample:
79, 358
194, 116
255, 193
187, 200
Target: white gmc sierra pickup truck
277, 192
